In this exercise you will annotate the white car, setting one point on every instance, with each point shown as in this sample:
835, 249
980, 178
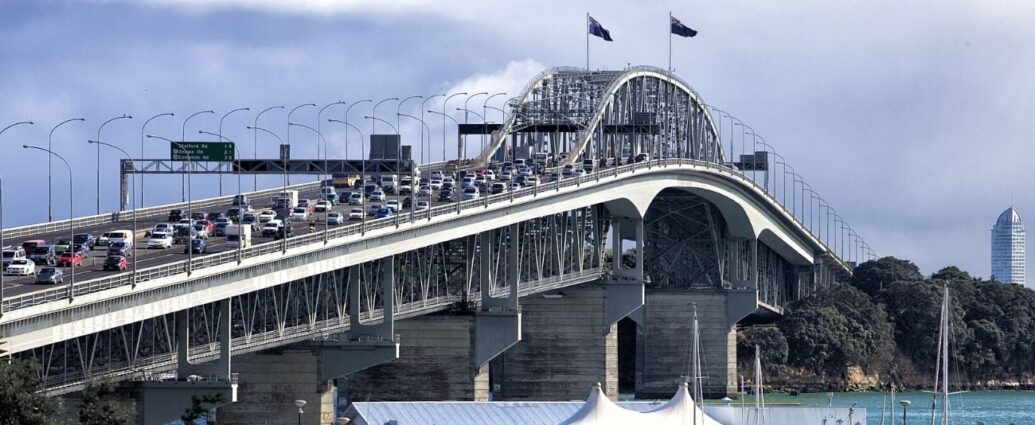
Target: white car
160, 240
469, 194
162, 227
393, 204
335, 218
377, 195
21, 267
506, 176
321, 206
372, 209
435, 184
355, 198
184, 222
299, 214
355, 214
437, 174
578, 172
422, 205
267, 215
489, 174
424, 191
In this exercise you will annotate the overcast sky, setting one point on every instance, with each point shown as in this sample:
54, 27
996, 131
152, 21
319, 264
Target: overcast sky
911, 119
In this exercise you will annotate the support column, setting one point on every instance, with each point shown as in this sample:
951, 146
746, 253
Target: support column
271, 381
498, 321
564, 349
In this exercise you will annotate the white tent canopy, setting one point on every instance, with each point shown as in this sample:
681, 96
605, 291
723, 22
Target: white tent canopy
599, 410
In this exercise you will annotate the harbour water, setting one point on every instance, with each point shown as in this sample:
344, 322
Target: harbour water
989, 407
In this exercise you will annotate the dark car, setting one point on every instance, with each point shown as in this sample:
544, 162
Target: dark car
407, 202
198, 246
220, 229
116, 263
446, 195
184, 233
283, 232
213, 216
44, 255
120, 248
51, 275
175, 216
85, 239
197, 215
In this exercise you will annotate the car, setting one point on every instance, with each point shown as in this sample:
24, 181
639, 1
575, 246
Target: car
213, 216
299, 214
304, 203
162, 228
506, 175
490, 175
124, 249
377, 195
115, 263
554, 176
332, 199
498, 187
356, 198
20, 267
372, 209
436, 174
393, 205
184, 234
250, 219
370, 188
424, 191
335, 218
422, 205
436, 184
642, 157
51, 275
205, 225
43, 255
70, 258
466, 182
30, 245
235, 212
267, 215
385, 212
578, 172
407, 202
355, 214
220, 230
568, 170
469, 194
240, 200
160, 240
446, 195
197, 246
283, 232
62, 245
198, 215
321, 207
175, 215
405, 189
184, 222
85, 239
513, 186
270, 227
224, 220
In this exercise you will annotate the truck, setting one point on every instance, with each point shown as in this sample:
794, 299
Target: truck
290, 195
238, 236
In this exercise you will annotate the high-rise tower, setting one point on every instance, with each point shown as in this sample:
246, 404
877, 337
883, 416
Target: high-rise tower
1008, 248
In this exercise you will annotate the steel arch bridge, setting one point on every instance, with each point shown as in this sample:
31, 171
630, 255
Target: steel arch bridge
694, 222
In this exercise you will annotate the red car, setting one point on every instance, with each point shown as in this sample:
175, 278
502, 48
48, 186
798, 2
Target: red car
68, 258
116, 263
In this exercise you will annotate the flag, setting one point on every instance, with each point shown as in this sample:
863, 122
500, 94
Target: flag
679, 29
598, 30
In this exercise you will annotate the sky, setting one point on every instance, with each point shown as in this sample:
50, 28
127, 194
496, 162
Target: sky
910, 118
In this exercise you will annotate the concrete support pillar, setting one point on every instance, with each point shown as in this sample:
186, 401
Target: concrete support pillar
498, 321
564, 348
219, 369
434, 365
270, 383
666, 330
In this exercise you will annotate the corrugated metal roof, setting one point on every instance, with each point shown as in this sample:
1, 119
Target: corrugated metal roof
473, 413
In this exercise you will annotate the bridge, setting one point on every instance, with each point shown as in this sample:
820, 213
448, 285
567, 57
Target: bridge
521, 285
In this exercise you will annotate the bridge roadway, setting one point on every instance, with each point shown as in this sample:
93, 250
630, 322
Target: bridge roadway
37, 319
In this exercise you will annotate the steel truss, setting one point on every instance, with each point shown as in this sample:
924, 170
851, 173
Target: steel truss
552, 252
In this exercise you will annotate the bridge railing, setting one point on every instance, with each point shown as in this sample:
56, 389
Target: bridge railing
151, 273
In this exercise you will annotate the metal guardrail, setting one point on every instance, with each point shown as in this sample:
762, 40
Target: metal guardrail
151, 273
126, 216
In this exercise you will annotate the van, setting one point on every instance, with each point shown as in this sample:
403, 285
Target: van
32, 244
327, 190
117, 235
240, 200
11, 254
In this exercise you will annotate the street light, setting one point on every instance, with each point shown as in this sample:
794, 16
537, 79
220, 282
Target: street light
2, 217
183, 139
346, 122
413, 178
444, 116
484, 123
133, 282
190, 202
50, 190
284, 192
320, 137
255, 143
300, 404
292, 111
71, 222
123, 116
373, 112
220, 135
422, 108
398, 157
142, 133
905, 405
466, 108
240, 242
319, 127
362, 171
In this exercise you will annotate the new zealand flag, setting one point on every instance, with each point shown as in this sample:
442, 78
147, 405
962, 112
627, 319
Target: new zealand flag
598, 30
682, 30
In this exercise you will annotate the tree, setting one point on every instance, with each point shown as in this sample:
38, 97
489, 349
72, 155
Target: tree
952, 274
20, 403
198, 409
772, 344
871, 276
101, 407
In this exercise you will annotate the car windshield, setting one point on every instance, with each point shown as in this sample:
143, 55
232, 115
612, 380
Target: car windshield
298, 210
47, 270
79, 238
41, 250
118, 245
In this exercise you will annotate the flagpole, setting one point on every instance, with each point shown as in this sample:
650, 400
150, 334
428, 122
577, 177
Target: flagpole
669, 42
587, 41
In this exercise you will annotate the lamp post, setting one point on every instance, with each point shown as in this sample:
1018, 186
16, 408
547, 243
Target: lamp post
905, 405
50, 190
292, 111
423, 107
373, 112
413, 180
284, 192
467, 109
319, 128
142, 133
190, 202
346, 122
71, 223
220, 135
255, 142
2, 215
240, 243
485, 113
133, 282
320, 138
362, 171
300, 404
123, 116
444, 116
183, 138
398, 158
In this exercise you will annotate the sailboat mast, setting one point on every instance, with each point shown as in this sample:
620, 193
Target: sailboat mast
696, 361
945, 357
759, 401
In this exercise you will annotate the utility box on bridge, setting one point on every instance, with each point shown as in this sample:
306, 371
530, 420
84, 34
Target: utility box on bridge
384, 146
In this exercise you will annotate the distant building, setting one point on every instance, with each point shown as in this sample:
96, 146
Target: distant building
1008, 263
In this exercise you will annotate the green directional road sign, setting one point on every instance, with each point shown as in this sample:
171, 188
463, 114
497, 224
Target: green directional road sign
201, 151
